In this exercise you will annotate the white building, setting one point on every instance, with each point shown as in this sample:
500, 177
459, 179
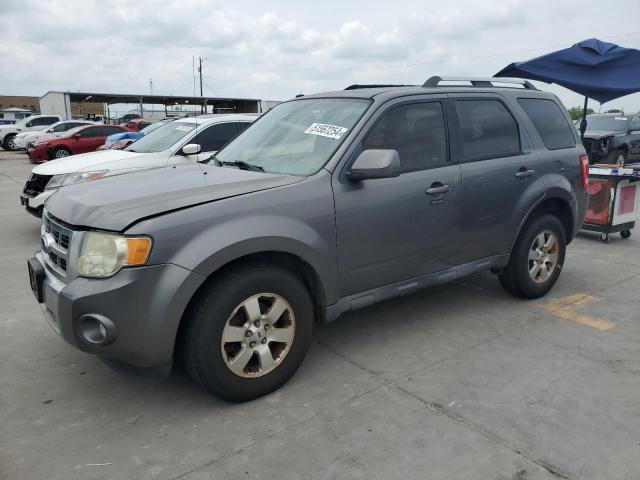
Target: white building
14, 113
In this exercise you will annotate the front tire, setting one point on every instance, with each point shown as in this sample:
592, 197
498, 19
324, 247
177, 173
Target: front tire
247, 332
9, 142
60, 152
537, 258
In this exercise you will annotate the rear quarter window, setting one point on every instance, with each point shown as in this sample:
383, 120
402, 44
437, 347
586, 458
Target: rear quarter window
552, 126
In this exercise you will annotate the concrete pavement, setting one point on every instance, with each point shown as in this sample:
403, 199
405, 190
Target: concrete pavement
459, 382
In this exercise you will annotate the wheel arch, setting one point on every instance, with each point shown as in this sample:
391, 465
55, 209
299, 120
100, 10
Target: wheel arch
557, 205
295, 264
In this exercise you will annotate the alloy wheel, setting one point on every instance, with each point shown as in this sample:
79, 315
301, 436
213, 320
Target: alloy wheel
543, 256
258, 335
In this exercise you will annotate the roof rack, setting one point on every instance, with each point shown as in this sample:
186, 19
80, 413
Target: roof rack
357, 87
482, 82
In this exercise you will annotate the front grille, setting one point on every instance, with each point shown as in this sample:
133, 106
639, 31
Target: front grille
36, 184
56, 240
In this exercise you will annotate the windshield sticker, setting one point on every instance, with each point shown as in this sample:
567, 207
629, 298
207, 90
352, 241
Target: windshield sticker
324, 130
621, 118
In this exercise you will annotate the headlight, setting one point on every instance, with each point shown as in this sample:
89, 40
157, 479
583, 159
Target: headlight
58, 181
104, 254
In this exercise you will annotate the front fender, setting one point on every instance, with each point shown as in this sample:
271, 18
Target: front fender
206, 237
257, 234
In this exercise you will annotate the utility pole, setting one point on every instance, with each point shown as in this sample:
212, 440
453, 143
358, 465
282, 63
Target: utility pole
193, 72
200, 71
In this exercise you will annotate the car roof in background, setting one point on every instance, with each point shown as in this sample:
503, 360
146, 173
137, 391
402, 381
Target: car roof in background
611, 114
218, 117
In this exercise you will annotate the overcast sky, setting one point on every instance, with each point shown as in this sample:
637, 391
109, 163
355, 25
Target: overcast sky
274, 50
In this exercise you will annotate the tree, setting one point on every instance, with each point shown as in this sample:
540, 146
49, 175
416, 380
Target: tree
614, 110
576, 113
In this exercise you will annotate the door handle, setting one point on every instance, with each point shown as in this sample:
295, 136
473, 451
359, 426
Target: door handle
524, 173
437, 188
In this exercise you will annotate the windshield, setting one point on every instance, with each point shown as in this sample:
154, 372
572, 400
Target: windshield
298, 137
601, 122
154, 126
162, 138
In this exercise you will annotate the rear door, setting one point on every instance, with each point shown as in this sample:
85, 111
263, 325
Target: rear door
394, 229
498, 167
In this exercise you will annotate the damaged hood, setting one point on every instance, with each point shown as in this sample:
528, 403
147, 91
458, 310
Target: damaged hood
598, 134
117, 202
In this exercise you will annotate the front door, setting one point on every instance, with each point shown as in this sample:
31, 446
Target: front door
394, 229
211, 139
90, 139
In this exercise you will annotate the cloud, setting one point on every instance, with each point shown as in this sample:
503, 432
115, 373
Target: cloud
277, 51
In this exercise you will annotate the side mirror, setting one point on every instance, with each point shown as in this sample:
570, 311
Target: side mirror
374, 163
77, 136
191, 149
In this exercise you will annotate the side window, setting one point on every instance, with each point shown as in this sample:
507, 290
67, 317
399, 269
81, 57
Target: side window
242, 126
214, 137
416, 131
91, 132
106, 131
63, 127
488, 130
43, 121
635, 124
551, 124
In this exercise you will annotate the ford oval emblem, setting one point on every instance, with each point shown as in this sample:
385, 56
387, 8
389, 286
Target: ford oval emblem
47, 242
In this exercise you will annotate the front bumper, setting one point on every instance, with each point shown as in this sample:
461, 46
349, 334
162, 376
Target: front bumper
19, 143
38, 154
34, 204
144, 306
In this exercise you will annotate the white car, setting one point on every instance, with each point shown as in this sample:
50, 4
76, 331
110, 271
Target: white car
22, 140
9, 132
180, 141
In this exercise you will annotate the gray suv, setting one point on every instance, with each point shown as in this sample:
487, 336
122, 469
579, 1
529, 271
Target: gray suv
325, 204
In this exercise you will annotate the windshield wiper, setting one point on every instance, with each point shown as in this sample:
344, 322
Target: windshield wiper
241, 164
208, 159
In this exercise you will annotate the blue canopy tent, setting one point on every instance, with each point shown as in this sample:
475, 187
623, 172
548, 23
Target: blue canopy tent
596, 69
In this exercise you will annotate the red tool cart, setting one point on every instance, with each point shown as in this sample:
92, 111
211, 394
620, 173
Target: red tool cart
613, 201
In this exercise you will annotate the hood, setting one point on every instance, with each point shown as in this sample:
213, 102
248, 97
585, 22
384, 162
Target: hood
99, 160
117, 202
598, 134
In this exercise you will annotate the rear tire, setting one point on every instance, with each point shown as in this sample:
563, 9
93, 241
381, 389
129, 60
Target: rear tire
537, 258
229, 346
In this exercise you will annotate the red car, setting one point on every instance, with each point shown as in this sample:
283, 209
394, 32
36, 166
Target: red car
77, 140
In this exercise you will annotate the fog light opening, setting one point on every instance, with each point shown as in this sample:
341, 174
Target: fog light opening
96, 329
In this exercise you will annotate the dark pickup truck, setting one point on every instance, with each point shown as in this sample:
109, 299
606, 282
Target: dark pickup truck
613, 138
